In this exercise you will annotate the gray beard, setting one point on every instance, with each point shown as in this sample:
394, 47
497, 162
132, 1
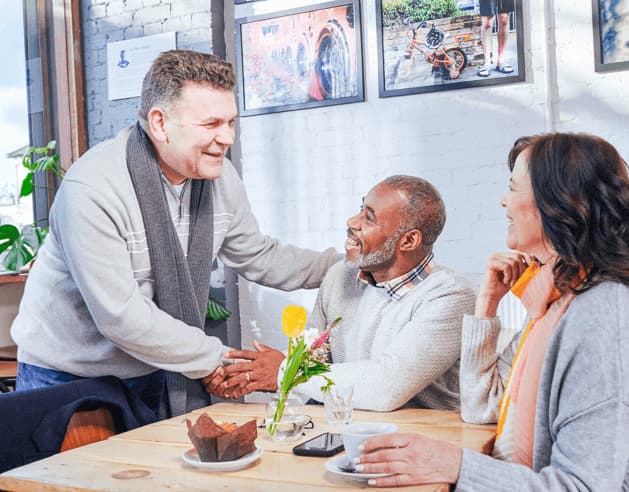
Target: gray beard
375, 258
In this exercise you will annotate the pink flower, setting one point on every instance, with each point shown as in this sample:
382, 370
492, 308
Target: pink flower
320, 341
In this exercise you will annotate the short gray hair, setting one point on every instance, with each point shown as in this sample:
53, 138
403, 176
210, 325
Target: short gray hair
424, 209
172, 69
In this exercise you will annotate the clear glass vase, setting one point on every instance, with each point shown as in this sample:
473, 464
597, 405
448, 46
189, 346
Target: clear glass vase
285, 418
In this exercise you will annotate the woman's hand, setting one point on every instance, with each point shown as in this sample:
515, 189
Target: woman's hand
412, 458
502, 271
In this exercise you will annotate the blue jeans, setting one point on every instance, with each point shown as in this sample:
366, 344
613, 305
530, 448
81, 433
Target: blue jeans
150, 388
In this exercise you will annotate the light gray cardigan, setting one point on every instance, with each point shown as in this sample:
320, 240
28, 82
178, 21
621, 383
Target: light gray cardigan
582, 416
88, 307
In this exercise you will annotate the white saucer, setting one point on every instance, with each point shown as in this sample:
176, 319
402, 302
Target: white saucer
332, 465
192, 458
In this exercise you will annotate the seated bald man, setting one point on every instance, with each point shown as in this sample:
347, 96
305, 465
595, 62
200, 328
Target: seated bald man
399, 341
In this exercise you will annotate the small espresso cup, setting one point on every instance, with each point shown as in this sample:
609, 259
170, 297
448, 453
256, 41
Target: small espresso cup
355, 434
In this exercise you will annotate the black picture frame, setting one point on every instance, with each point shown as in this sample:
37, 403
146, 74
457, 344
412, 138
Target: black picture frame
611, 51
428, 55
300, 58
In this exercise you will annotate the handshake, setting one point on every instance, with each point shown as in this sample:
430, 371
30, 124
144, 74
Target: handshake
252, 371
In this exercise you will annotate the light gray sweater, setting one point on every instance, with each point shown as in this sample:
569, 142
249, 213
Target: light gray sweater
582, 414
396, 352
87, 307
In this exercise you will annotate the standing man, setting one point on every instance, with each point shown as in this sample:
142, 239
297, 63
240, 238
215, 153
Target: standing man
121, 284
399, 341
488, 10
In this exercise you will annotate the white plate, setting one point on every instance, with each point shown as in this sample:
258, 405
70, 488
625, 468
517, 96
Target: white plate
332, 465
192, 458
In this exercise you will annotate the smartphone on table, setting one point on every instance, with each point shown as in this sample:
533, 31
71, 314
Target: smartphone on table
326, 444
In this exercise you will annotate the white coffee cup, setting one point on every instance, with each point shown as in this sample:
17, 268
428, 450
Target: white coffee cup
355, 434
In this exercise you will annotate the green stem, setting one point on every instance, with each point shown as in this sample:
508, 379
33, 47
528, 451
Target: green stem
279, 411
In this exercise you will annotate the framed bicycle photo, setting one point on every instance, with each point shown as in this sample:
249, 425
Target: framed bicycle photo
300, 58
610, 21
426, 46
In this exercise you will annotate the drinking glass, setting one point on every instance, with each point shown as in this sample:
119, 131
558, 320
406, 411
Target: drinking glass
339, 404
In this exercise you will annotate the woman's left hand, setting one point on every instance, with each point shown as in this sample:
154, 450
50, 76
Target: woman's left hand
412, 458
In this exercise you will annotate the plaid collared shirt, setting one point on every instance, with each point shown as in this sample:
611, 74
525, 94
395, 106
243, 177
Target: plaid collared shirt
400, 286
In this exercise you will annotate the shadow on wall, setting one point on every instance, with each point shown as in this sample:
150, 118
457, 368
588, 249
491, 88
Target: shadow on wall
265, 323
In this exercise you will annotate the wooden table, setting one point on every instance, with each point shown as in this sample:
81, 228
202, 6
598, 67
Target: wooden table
157, 449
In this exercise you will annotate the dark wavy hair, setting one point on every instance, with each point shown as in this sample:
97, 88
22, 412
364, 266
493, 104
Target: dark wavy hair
581, 188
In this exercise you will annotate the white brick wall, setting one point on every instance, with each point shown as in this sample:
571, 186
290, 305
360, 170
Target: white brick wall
306, 171
106, 21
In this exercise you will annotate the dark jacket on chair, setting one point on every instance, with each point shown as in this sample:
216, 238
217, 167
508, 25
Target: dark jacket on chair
33, 423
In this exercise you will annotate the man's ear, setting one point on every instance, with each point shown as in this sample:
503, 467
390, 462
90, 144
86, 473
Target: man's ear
156, 121
411, 240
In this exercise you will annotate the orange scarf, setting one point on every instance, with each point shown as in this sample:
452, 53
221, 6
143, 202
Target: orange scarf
516, 421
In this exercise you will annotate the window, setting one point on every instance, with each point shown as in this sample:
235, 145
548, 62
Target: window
14, 132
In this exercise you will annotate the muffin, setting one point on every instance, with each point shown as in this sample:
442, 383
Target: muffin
221, 442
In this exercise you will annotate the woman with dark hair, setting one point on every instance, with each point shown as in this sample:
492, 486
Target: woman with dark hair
560, 390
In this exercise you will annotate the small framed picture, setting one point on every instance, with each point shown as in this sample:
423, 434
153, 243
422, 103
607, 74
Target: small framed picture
453, 45
300, 58
610, 22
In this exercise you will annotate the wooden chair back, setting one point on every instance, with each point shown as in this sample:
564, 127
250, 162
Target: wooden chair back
88, 426
8, 371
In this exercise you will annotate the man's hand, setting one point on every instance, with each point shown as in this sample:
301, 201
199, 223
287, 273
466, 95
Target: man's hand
213, 383
257, 372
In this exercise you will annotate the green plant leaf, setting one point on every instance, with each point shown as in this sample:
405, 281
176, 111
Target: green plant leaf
216, 311
41, 233
45, 163
27, 162
20, 246
292, 366
8, 235
27, 185
34, 236
18, 255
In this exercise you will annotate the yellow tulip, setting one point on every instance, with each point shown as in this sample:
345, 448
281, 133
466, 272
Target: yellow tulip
293, 320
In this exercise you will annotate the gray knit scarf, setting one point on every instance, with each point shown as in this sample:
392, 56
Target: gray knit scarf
182, 285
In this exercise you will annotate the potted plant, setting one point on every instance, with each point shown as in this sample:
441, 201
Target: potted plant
19, 247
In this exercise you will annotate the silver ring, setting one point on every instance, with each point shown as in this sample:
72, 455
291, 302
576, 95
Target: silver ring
248, 377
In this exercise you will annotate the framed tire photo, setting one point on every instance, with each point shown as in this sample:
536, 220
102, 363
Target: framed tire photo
301, 58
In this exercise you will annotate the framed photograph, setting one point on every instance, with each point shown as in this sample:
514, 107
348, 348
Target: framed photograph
611, 35
451, 45
300, 58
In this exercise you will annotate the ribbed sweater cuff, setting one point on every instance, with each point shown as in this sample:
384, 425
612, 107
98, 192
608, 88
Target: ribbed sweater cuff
476, 473
479, 337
